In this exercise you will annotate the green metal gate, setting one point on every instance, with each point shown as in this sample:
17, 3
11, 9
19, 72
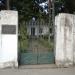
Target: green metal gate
34, 58
35, 45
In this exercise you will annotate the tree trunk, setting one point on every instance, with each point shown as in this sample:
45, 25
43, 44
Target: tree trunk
7, 3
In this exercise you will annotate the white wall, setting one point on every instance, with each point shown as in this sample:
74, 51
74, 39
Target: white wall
44, 32
9, 42
65, 40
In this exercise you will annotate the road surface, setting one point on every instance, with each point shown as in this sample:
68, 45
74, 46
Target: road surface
39, 71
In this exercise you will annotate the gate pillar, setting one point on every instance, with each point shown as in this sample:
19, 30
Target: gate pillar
65, 40
8, 39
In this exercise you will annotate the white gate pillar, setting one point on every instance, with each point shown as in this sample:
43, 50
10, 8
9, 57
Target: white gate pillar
65, 39
8, 39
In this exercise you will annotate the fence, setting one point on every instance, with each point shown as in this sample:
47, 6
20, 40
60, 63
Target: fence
35, 45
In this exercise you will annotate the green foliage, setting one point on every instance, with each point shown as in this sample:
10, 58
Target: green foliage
46, 43
58, 5
26, 8
23, 41
70, 5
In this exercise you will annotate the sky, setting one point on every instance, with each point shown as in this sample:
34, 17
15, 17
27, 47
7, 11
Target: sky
43, 4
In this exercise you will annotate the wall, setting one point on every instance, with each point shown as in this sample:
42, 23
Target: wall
8, 42
45, 29
65, 40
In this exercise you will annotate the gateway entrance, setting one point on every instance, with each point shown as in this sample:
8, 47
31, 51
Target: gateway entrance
36, 40
35, 45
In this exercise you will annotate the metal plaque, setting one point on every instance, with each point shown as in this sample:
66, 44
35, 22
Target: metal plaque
8, 29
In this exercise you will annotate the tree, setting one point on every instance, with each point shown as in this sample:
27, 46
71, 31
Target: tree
7, 3
70, 5
26, 8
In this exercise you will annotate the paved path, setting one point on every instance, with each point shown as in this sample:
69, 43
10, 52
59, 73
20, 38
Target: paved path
49, 71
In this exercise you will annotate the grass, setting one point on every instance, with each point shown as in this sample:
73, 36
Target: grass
23, 45
46, 43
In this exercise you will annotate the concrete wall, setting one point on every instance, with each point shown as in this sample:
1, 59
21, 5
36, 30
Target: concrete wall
65, 40
8, 42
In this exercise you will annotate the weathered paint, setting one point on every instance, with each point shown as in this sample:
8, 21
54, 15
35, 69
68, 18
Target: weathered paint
8, 42
65, 39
